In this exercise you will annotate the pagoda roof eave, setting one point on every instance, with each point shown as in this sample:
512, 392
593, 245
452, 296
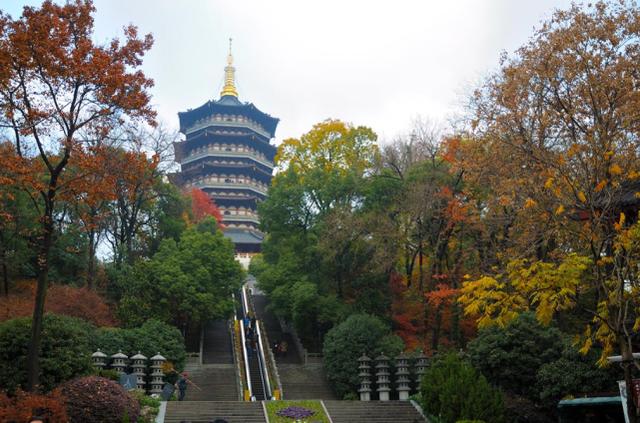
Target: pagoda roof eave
212, 107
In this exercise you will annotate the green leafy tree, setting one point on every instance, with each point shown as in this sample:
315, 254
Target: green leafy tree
452, 390
186, 282
66, 351
510, 357
344, 343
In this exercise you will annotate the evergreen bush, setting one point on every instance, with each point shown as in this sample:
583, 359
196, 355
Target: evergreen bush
66, 351
452, 390
152, 337
343, 344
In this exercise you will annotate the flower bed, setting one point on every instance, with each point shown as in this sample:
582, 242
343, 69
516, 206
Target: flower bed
294, 411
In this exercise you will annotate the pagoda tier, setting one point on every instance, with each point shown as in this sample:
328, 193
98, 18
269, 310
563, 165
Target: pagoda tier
225, 161
227, 106
231, 143
250, 202
236, 170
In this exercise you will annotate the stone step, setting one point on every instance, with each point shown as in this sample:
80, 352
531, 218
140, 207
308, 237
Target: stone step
208, 411
304, 382
373, 412
215, 383
217, 347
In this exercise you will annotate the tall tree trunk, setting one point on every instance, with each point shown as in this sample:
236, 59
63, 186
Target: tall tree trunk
92, 260
33, 355
437, 326
5, 273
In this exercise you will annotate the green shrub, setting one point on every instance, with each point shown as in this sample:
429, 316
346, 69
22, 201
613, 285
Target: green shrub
65, 352
149, 406
510, 357
574, 374
343, 344
150, 338
453, 390
96, 399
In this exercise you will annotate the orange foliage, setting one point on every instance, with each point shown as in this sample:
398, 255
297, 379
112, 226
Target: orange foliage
202, 206
61, 299
24, 406
407, 312
409, 309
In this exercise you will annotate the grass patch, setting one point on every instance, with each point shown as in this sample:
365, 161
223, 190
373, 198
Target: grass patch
273, 407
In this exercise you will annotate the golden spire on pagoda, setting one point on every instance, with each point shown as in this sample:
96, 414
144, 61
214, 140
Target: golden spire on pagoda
229, 76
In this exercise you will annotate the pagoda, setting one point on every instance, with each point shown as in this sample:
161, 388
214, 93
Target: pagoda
227, 154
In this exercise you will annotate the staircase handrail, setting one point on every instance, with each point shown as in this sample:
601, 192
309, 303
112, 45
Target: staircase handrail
271, 363
246, 361
263, 363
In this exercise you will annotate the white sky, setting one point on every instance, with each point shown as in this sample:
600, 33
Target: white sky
374, 63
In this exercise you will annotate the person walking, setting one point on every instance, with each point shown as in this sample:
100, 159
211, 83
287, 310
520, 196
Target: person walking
181, 384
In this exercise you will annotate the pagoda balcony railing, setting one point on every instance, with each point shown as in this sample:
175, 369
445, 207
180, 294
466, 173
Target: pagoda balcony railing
240, 218
222, 153
222, 185
228, 124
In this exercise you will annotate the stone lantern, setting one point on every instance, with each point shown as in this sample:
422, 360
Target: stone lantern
119, 362
420, 368
402, 377
382, 374
99, 359
365, 378
157, 375
139, 365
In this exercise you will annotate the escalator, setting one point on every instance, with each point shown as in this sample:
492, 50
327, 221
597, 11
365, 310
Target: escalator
254, 356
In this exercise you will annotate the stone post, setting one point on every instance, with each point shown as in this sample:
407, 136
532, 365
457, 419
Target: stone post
157, 375
99, 359
365, 378
382, 373
139, 367
119, 362
421, 365
402, 377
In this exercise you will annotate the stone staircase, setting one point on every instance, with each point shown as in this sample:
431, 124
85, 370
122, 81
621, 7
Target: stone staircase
217, 347
216, 377
208, 411
217, 382
373, 412
304, 382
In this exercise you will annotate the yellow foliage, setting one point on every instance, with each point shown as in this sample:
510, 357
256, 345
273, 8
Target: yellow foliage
560, 209
615, 170
549, 183
529, 203
582, 197
543, 287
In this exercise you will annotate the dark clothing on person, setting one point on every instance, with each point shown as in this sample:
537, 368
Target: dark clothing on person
182, 388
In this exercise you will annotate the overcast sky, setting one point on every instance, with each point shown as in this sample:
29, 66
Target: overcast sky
374, 63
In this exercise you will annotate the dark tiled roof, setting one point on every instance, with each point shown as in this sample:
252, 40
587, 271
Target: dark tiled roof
243, 236
228, 105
